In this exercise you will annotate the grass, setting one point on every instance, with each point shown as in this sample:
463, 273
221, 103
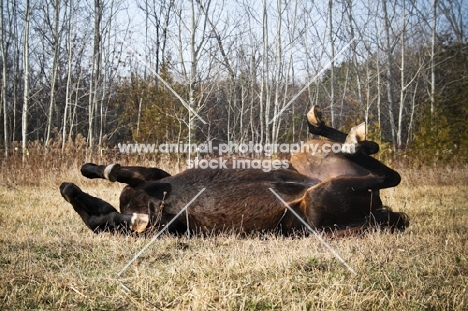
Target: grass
50, 260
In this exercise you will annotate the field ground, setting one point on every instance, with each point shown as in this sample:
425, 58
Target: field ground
50, 260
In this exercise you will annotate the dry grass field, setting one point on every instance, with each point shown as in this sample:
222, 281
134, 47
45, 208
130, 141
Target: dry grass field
50, 260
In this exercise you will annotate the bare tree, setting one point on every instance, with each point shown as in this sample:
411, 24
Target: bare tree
354, 58
70, 34
240, 62
157, 15
25, 110
389, 47
433, 55
454, 12
95, 74
332, 67
195, 33
55, 62
16, 63
265, 99
278, 74
4, 78
399, 141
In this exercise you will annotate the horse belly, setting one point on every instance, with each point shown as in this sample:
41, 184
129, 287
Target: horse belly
242, 216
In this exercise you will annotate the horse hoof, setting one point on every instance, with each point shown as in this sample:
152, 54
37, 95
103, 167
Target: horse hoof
360, 131
69, 191
139, 222
356, 134
314, 116
111, 172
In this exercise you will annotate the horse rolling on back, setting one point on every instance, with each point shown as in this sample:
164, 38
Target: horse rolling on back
334, 192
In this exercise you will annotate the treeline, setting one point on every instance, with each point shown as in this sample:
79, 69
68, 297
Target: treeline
194, 71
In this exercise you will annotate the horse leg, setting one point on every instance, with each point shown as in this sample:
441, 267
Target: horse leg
359, 155
108, 172
354, 140
317, 126
352, 196
141, 191
385, 217
132, 175
387, 177
348, 201
99, 215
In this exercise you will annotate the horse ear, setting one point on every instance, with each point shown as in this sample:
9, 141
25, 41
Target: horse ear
160, 191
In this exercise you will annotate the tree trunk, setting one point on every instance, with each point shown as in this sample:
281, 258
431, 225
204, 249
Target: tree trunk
95, 72
399, 139
390, 80
433, 60
379, 95
69, 75
25, 109
266, 72
332, 66
54, 70
278, 75
4, 81
193, 74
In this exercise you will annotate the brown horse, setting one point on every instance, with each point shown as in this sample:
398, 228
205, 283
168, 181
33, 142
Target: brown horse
329, 190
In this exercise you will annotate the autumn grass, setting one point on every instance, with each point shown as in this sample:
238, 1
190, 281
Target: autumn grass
50, 260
